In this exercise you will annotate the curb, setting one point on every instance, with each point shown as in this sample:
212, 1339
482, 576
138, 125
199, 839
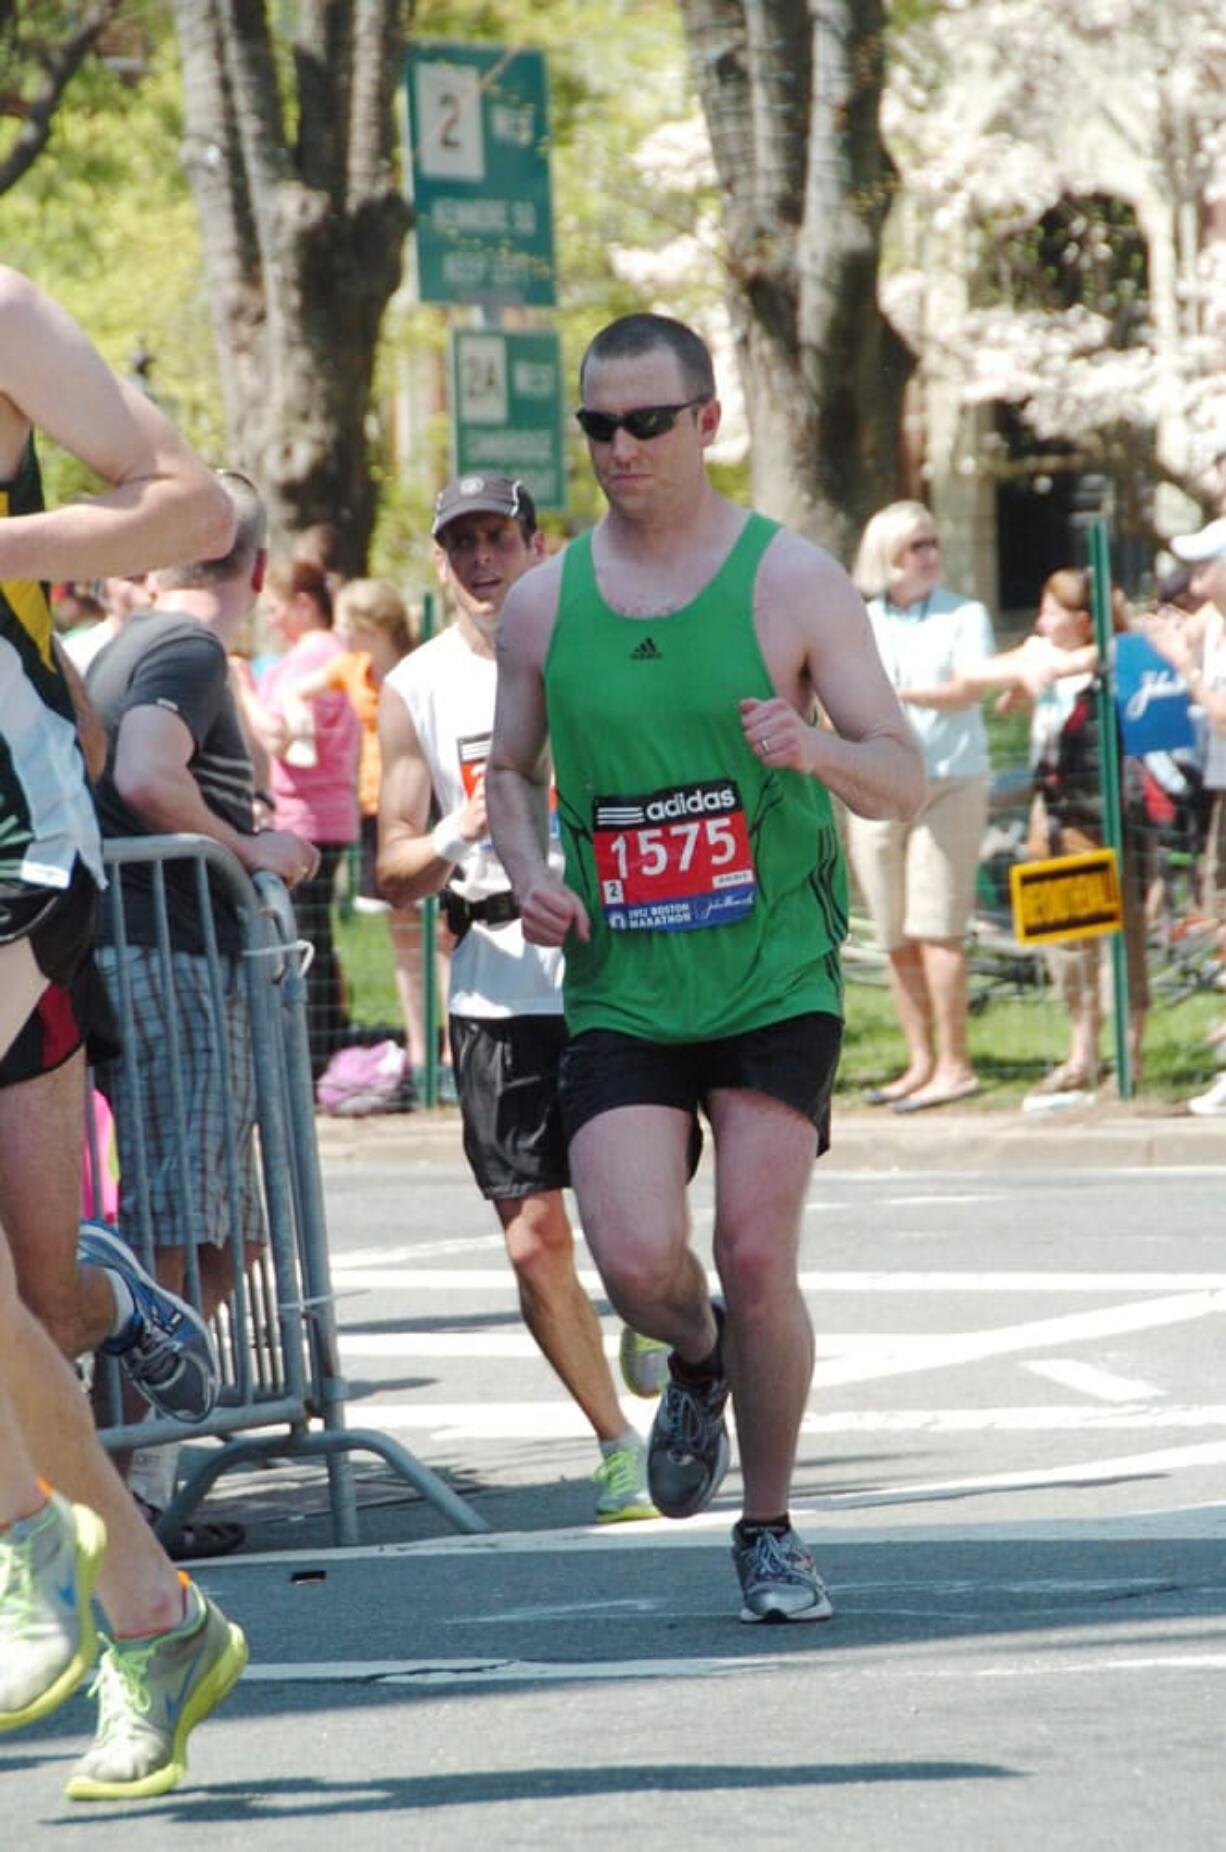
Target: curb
1111, 1136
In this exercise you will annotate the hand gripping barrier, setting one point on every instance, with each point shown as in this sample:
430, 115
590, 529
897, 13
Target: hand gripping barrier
283, 1395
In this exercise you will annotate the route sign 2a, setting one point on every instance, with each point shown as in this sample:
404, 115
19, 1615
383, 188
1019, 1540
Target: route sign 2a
478, 120
1066, 897
506, 404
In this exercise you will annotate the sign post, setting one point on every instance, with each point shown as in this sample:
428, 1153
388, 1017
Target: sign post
479, 145
1109, 777
507, 409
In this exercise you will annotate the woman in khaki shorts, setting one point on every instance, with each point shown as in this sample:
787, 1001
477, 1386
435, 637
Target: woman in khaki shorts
918, 878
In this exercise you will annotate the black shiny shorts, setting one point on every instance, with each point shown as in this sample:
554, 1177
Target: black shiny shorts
794, 1061
506, 1071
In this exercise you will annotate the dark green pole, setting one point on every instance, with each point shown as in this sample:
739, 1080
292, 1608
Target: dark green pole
1110, 785
429, 932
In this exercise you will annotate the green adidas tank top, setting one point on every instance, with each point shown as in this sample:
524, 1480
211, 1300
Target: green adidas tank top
715, 884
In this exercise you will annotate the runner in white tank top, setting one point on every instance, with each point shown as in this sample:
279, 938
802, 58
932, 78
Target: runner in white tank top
505, 1006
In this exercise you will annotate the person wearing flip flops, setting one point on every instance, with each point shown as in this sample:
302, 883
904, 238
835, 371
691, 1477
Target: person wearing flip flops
917, 876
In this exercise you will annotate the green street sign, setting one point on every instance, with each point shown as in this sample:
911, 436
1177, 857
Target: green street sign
479, 140
506, 399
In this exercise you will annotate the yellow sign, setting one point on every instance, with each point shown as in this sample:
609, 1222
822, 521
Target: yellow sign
1069, 897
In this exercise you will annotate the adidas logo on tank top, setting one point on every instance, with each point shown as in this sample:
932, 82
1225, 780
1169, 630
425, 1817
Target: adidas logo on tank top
646, 651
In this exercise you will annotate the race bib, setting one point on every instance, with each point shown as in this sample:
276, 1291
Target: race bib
675, 859
474, 751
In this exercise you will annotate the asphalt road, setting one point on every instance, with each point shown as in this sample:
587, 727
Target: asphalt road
1013, 1470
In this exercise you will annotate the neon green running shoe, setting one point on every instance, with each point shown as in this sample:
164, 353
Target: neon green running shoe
623, 1495
644, 1363
151, 1695
48, 1566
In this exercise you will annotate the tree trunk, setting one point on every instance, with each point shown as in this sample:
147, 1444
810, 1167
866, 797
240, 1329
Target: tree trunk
791, 92
302, 240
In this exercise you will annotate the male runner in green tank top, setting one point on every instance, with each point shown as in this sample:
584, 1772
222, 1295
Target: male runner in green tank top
674, 661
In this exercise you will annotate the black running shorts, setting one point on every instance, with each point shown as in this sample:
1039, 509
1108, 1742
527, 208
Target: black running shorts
794, 1061
506, 1071
58, 922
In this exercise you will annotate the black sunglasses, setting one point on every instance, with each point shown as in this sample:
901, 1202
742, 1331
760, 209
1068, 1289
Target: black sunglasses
643, 423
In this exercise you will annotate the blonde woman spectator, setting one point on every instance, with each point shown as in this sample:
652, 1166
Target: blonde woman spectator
918, 877
372, 626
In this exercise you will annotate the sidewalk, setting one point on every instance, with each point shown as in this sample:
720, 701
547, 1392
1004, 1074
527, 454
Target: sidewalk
1106, 1135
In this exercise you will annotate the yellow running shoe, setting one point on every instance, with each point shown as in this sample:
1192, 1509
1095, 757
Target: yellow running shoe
644, 1363
48, 1566
151, 1695
622, 1478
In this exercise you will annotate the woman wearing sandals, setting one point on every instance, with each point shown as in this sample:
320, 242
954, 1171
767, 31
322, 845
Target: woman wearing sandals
918, 878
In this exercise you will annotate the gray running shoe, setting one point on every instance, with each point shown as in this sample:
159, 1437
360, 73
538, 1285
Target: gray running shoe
687, 1453
47, 1637
165, 1346
779, 1579
644, 1363
151, 1695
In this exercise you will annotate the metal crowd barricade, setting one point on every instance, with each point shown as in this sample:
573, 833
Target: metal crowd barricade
283, 1394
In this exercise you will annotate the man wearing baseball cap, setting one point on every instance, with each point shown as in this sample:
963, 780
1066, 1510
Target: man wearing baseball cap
505, 1006
1197, 648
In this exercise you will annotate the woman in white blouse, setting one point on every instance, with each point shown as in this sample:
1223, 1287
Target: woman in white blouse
918, 878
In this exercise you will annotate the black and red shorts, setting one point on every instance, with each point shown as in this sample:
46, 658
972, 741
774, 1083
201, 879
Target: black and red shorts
74, 1010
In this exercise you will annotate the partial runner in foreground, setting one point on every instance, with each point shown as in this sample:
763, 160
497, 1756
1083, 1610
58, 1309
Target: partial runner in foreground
171, 1656
673, 661
505, 1008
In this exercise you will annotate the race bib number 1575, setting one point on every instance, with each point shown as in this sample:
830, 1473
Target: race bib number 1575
675, 859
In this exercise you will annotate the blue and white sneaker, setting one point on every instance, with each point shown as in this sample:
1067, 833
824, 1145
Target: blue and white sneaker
164, 1348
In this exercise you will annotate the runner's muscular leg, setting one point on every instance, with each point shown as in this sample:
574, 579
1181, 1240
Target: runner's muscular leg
21, 985
764, 1157
45, 1421
42, 1130
629, 1171
556, 1309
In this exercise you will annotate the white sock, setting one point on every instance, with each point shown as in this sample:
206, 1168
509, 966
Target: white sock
621, 1443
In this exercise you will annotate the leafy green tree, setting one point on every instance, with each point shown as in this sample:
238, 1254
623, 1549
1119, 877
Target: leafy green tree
42, 47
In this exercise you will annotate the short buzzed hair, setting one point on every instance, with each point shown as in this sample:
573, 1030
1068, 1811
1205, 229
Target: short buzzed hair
633, 335
250, 539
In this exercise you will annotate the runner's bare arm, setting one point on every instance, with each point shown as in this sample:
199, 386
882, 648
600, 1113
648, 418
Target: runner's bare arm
517, 771
409, 865
819, 644
163, 507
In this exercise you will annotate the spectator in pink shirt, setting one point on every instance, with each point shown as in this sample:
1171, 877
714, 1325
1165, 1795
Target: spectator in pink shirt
314, 750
